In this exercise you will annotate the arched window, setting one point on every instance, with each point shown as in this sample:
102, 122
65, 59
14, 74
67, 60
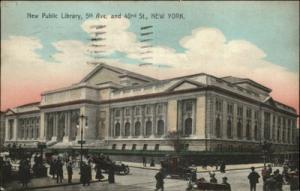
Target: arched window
148, 128
188, 126
137, 129
160, 127
248, 131
218, 127
229, 128
127, 129
239, 130
117, 129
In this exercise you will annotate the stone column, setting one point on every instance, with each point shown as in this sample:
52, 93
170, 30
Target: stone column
271, 126
244, 122
200, 116
253, 124
43, 126
224, 120
6, 129
67, 127
15, 129
262, 125
275, 129
234, 123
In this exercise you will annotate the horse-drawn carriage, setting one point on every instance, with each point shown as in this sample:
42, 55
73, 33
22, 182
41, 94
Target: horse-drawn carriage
177, 167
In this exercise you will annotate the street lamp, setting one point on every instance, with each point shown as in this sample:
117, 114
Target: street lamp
81, 142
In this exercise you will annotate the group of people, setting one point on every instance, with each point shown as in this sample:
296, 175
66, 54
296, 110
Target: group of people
152, 162
24, 172
273, 180
56, 170
5, 170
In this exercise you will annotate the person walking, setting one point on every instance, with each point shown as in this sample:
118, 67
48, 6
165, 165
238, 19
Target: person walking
144, 161
213, 178
99, 175
88, 173
52, 168
111, 174
83, 173
152, 163
227, 185
279, 180
253, 179
222, 167
59, 171
70, 171
24, 173
160, 180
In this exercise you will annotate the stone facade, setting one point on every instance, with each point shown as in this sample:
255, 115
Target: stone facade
128, 111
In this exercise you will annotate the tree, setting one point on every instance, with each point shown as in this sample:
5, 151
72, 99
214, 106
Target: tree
174, 138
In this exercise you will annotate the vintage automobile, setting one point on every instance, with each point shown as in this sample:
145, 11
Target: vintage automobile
118, 167
175, 167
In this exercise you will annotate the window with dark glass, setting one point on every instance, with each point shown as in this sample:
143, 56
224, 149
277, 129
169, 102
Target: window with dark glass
248, 130
230, 109
114, 147
145, 147
123, 146
133, 147
127, 111
159, 109
156, 148
249, 113
218, 127
148, 128
239, 129
189, 106
240, 111
127, 129
188, 126
229, 128
137, 129
117, 129
218, 105
118, 113
160, 127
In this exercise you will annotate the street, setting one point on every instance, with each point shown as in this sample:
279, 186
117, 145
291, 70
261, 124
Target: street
143, 180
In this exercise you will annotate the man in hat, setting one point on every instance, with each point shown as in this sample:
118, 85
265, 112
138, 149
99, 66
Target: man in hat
253, 179
160, 180
227, 185
213, 178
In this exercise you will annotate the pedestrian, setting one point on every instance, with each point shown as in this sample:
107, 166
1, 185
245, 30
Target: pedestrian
152, 163
264, 173
160, 180
279, 180
227, 185
213, 178
52, 168
253, 179
111, 174
24, 173
99, 175
83, 173
222, 167
269, 170
70, 171
88, 173
144, 161
59, 171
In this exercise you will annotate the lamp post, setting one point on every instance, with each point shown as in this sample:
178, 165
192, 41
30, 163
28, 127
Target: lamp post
81, 142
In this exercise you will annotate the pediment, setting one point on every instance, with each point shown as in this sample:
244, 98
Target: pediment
270, 101
185, 85
10, 112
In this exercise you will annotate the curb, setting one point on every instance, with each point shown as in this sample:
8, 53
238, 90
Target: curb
198, 171
56, 185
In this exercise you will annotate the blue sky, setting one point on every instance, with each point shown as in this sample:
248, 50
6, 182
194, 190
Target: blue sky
272, 26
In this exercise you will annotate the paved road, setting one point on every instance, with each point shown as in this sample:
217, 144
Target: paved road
143, 180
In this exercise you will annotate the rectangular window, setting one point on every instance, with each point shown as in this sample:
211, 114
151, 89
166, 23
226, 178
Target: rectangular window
156, 148
148, 110
189, 106
114, 147
256, 115
230, 109
159, 109
118, 113
137, 111
145, 147
249, 114
218, 105
11, 128
127, 111
133, 147
240, 111
123, 147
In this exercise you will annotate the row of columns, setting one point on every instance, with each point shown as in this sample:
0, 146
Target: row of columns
134, 119
260, 122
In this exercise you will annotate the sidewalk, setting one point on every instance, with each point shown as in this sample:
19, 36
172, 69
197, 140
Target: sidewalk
48, 182
200, 169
